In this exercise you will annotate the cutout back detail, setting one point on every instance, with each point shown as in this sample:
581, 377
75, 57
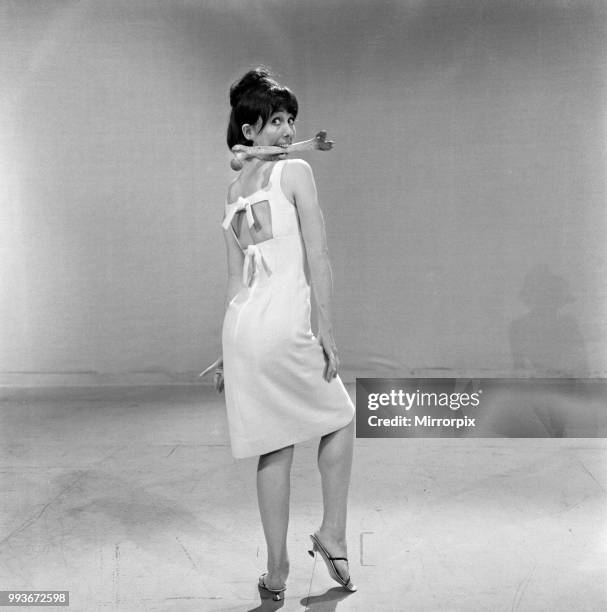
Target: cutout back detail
260, 231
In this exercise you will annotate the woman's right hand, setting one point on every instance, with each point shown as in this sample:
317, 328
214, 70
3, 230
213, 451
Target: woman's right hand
217, 368
327, 342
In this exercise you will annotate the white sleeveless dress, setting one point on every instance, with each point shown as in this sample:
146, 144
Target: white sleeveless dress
273, 365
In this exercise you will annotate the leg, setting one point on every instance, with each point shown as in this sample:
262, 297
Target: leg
335, 463
273, 492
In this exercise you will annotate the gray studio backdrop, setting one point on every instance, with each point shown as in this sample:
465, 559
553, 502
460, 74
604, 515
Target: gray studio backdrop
464, 202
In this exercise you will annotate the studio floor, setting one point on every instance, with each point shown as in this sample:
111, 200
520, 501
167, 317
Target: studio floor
129, 498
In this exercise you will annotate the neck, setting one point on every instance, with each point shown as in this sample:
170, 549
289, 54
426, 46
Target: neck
256, 162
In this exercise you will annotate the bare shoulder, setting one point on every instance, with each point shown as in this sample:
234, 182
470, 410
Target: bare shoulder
297, 169
297, 179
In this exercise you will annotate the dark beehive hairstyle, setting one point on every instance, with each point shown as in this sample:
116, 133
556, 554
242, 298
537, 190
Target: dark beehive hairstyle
257, 94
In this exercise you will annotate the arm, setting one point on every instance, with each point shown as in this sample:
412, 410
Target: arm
235, 263
300, 183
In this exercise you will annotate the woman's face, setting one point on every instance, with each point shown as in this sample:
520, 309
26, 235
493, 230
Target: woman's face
278, 131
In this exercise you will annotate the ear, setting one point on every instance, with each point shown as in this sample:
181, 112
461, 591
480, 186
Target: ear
248, 131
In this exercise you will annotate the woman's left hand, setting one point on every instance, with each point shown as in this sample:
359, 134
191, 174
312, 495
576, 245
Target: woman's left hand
326, 341
217, 366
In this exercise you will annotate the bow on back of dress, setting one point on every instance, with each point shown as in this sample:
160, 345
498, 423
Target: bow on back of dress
241, 204
254, 260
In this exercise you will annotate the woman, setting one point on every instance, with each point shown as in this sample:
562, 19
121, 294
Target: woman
281, 382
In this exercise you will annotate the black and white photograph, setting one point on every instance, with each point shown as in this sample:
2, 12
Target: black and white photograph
303, 305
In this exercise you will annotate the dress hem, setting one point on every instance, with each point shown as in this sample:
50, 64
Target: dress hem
263, 450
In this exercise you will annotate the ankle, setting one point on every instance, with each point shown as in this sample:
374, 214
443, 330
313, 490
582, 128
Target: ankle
335, 541
279, 568
336, 534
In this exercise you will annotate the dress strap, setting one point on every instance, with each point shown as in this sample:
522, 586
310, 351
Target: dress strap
276, 173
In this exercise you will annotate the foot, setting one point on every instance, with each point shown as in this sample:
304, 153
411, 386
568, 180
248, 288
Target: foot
276, 592
274, 581
276, 578
336, 547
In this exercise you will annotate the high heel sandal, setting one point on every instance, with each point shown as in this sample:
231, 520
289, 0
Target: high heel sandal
277, 594
317, 546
